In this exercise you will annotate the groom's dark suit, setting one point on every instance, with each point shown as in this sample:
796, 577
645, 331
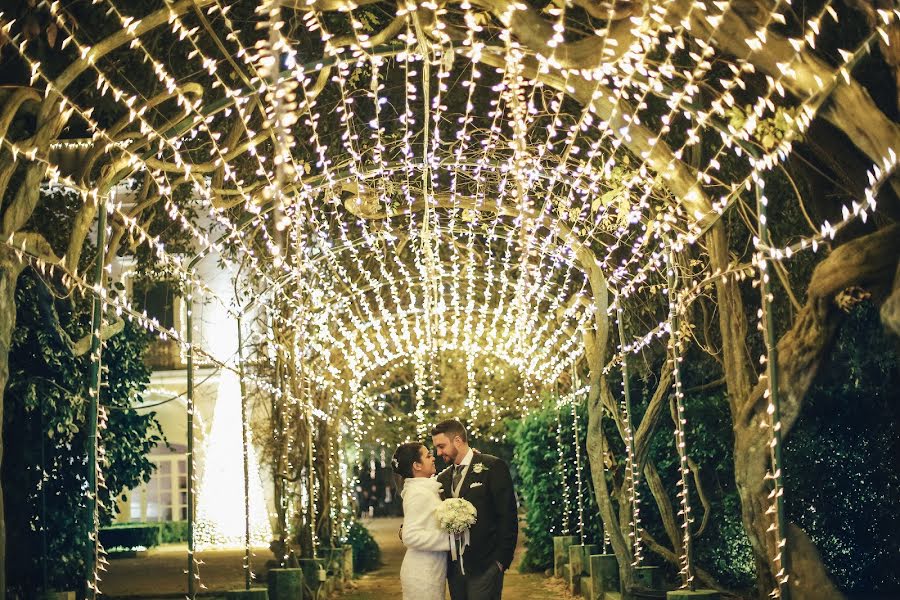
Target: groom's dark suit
488, 486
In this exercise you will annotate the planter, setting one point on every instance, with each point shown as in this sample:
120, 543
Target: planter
252, 594
692, 595
347, 562
648, 577
58, 596
604, 576
561, 554
285, 584
578, 565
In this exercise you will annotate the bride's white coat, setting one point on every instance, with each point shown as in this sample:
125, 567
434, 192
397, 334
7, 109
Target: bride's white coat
423, 575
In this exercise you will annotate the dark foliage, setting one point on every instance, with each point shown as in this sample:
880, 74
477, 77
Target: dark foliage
130, 536
45, 471
841, 477
366, 553
541, 474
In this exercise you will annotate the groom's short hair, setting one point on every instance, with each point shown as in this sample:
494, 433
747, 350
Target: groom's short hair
451, 428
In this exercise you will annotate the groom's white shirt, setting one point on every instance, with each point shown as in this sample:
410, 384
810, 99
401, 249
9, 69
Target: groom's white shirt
465, 462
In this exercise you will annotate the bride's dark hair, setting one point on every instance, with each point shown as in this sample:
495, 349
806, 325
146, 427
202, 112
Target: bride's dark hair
404, 457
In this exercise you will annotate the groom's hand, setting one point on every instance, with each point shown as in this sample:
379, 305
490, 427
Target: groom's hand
499, 565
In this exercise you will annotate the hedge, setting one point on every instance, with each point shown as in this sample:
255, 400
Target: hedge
366, 553
130, 536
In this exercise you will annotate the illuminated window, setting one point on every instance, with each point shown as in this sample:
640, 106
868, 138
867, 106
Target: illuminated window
160, 300
164, 497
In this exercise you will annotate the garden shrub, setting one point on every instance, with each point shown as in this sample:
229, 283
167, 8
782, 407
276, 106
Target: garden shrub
842, 482
130, 535
168, 532
366, 553
173, 532
44, 429
540, 486
725, 549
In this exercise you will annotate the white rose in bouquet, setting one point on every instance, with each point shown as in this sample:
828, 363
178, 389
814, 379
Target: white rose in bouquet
456, 516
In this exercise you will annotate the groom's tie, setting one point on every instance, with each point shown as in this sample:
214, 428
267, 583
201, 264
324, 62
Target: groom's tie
457, 475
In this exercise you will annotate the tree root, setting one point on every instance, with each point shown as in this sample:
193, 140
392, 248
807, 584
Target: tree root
702, 574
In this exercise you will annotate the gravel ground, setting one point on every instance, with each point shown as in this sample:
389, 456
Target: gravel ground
384, 584
161, 573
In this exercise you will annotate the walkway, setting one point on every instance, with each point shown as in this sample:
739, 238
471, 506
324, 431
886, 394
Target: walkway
384, 584
161, 574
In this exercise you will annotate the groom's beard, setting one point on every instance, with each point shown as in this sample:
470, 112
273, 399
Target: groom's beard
448, 459
451, 456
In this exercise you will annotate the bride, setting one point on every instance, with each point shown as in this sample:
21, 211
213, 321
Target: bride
423, 575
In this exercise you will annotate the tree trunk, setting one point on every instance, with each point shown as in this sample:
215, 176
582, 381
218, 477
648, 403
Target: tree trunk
322, 469
666, 512
596, 451
280, 547
890, 310
870, 262
595, 351
10, 268
736, 364
303, 515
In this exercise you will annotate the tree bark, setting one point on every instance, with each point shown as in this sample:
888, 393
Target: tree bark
666, 512
595, 341
675, 558
867, 262
890, 310
10, 269
850, 108
596, 451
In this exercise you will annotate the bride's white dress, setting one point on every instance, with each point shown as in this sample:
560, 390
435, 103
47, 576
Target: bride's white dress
423, 575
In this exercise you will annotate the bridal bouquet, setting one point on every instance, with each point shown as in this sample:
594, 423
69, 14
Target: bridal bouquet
456, 516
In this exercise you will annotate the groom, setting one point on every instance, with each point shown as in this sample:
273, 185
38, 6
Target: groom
484, 481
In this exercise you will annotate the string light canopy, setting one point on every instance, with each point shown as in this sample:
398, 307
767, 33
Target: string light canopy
405, 185
417, 208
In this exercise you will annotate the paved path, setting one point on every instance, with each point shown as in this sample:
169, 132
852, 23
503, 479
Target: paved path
384, 584
161, 573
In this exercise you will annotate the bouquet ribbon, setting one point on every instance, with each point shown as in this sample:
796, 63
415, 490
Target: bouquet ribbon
458, 548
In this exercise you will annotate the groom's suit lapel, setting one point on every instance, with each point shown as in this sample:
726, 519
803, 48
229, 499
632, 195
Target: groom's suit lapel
445, 478
470, 473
